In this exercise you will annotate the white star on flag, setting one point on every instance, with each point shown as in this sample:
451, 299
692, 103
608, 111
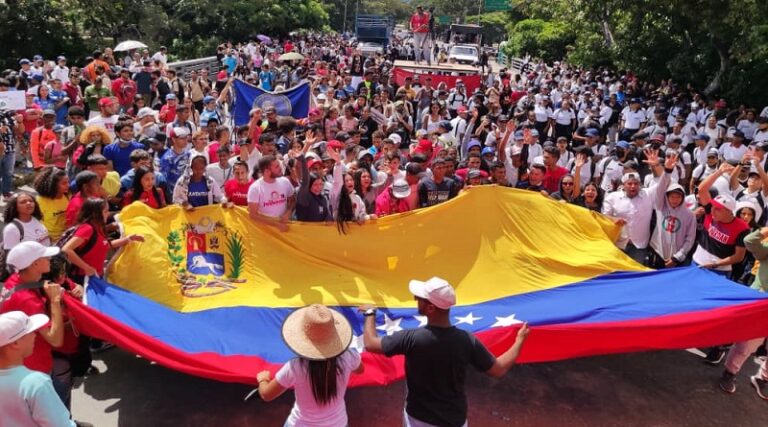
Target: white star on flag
506, 321
422, 320
469, 319
390, 326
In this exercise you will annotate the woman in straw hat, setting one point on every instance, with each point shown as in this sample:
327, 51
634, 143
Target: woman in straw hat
320, 337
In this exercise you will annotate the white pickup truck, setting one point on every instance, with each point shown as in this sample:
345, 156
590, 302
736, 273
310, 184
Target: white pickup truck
464, 54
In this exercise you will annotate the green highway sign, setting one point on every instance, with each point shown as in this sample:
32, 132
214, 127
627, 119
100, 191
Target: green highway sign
497, 5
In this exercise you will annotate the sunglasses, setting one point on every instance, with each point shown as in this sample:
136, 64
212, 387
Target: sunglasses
567, 183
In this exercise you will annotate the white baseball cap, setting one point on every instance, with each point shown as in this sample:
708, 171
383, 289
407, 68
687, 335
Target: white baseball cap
16, 324
145, 112
435, 290
25, 253
180, 132
724, 201
401, 189
395, 138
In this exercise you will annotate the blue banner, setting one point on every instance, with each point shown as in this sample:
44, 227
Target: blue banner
292, 102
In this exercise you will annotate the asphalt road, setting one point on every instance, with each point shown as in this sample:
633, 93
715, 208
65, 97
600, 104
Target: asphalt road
659, 389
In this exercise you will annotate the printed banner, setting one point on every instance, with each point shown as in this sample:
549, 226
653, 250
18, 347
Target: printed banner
471, 82
292, 102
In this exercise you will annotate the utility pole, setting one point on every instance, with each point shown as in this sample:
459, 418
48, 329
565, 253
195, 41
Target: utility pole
346, 2
479, 11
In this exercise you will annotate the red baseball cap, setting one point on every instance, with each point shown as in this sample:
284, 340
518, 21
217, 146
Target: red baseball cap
336, 144
105, 102
312, 162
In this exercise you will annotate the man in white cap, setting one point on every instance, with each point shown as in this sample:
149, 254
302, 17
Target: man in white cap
175, 161
436, 357
632, 206
720, 245
27, 398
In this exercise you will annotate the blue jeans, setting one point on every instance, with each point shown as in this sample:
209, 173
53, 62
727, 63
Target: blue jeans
7, 165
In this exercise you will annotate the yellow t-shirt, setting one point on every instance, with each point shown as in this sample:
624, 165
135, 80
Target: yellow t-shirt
54, 215
111, 183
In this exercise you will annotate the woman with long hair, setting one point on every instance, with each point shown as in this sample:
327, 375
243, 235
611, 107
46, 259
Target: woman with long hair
144, 190
591, 197
347, 204
43, 98
22, 222
88, 247
432, 117
52, 187
319, 375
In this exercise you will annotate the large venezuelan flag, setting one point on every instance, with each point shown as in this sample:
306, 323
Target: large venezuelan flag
207, 292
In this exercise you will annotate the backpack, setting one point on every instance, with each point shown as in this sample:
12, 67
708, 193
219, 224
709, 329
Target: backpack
4, 273
68, 234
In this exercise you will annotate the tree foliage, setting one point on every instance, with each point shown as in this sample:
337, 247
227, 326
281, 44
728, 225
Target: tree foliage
718, 46
189, 27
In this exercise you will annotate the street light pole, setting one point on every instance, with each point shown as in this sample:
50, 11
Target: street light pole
479, 11
345, 15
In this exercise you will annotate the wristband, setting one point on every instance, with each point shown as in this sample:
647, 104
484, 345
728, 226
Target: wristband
669, 170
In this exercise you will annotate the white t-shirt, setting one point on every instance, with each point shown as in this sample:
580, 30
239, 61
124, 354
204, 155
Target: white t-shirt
306, 411
563, 117
34, 231
272, 198
730, 153
219, 175
107, 123
632, 119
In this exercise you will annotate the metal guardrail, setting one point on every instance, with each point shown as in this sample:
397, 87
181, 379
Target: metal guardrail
183, 68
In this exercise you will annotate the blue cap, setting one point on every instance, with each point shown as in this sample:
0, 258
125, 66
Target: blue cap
488, 150
702, 136
445, 124
37, 57
622, 144
37, 76
519, 135
473, 143
208, 98
170, 96
23, 61
534, 132
593, 132
58, 128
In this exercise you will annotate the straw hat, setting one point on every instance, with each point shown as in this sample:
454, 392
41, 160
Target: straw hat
316, 332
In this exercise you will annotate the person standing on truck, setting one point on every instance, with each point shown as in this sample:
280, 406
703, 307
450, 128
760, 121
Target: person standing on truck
420, 28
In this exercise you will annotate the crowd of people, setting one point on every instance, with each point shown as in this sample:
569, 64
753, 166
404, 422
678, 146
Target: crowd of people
683, 174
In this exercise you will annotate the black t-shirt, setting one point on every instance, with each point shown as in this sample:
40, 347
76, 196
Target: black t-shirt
432, 193
436, 362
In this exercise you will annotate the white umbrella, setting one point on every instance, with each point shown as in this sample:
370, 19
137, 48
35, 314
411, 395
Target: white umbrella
129, 45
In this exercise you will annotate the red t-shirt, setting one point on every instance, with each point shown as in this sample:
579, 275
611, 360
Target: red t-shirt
213, 147
31, 301
552, 179
30, 125
73, 209
168, 113
418, 20
236, 192
98, 254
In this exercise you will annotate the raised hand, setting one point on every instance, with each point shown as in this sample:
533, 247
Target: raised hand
671, 161
651, 157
